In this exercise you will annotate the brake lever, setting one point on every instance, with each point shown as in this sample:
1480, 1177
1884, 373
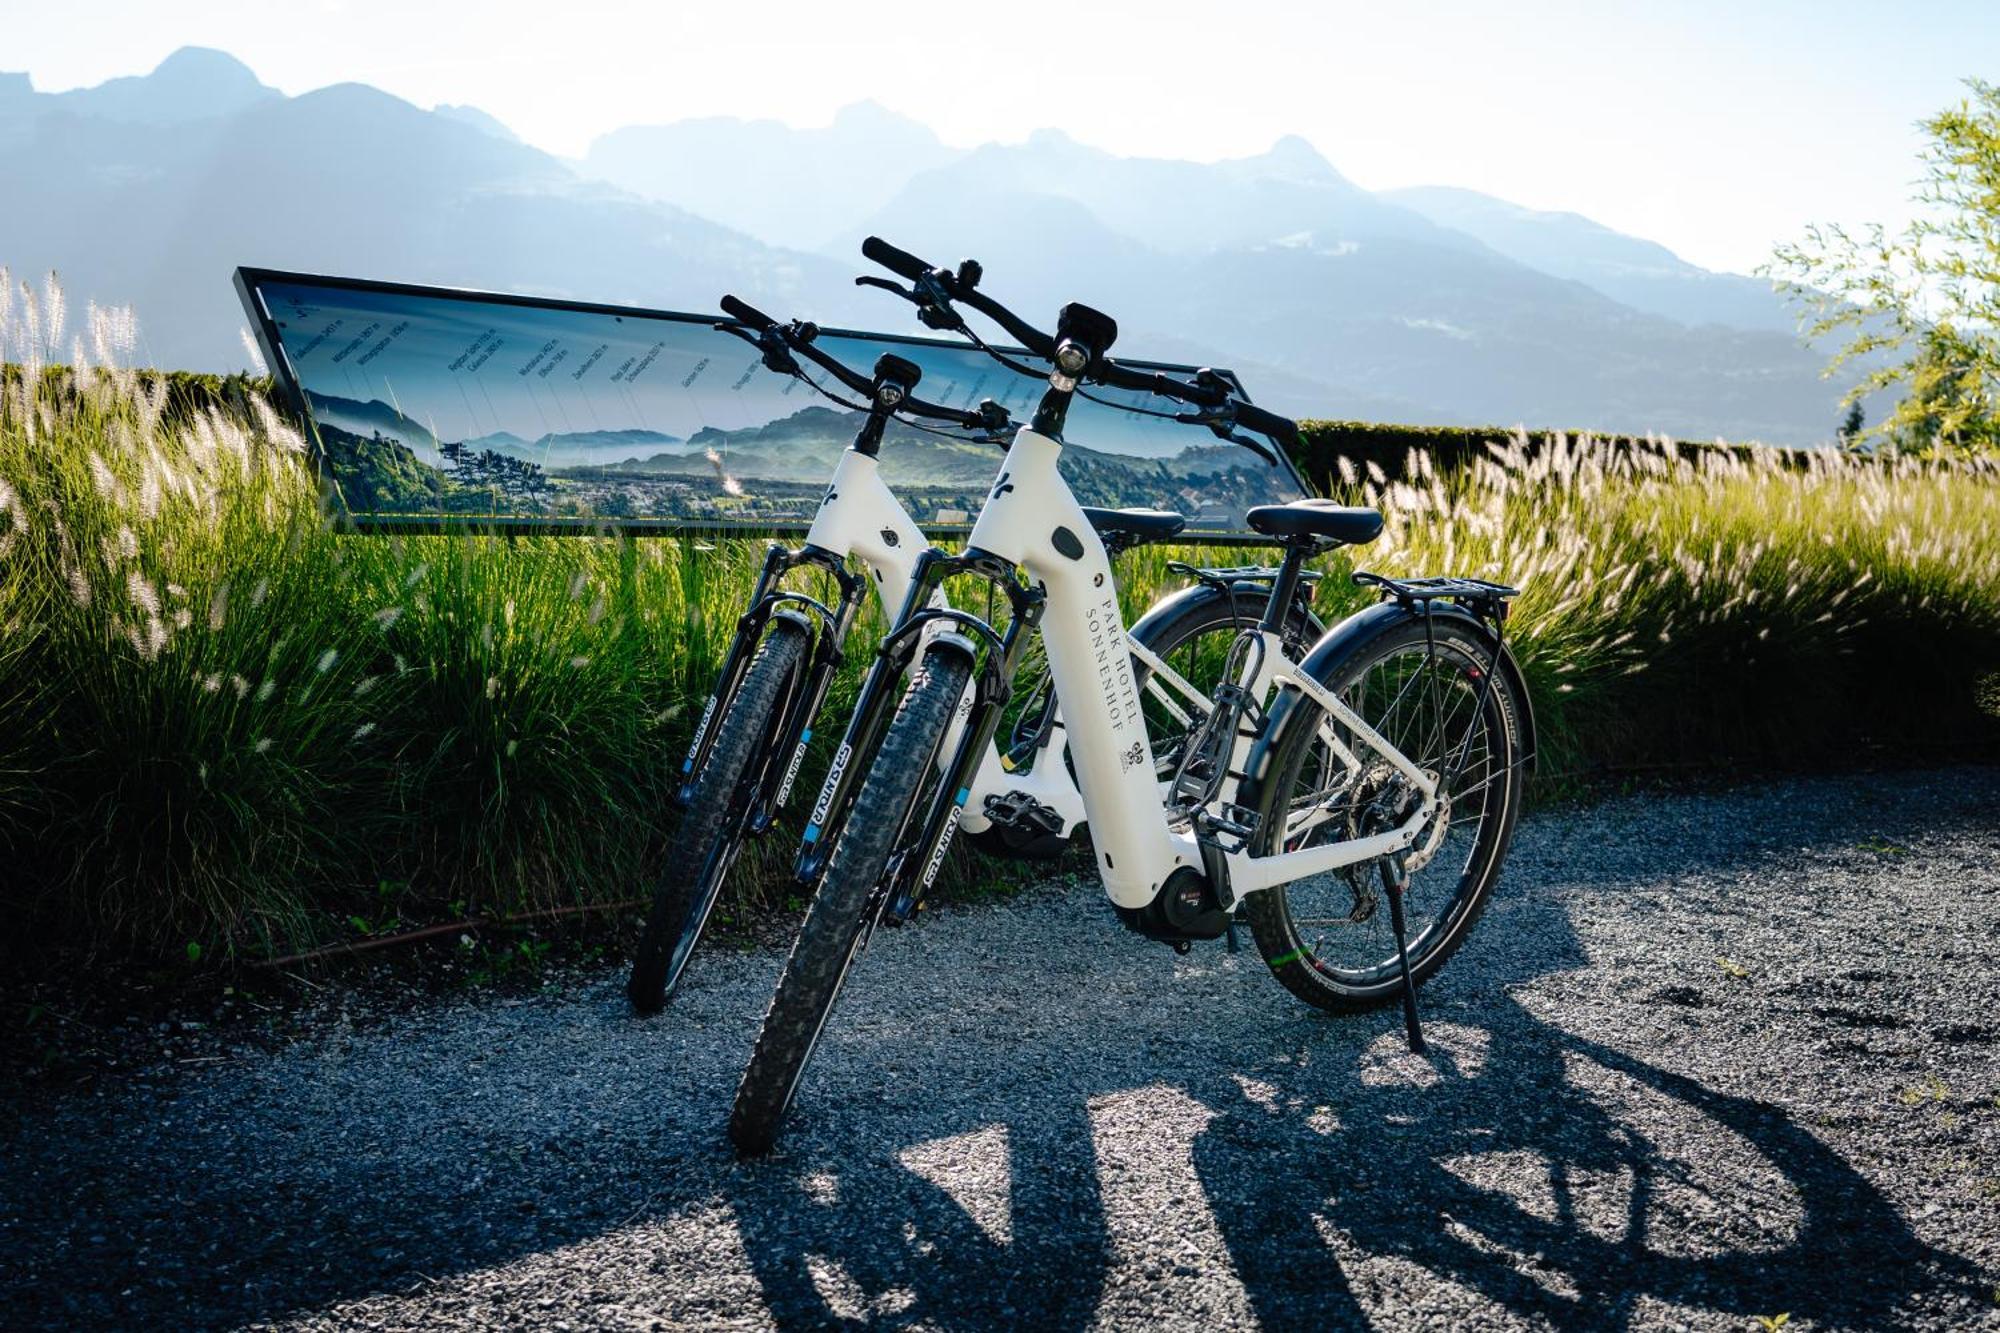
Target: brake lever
1221, 423
933, 303
870, 280
770, 346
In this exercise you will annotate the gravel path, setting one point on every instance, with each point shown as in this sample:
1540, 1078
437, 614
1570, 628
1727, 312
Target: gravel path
1023, 1114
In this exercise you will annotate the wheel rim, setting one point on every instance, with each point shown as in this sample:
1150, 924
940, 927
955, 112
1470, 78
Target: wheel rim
1432, 709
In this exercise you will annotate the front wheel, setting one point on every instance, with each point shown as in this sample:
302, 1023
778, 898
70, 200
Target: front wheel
711, 831
836, 922
1439, 699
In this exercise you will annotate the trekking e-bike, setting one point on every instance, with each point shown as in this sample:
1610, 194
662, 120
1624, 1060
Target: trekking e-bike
758, 721
1310, 794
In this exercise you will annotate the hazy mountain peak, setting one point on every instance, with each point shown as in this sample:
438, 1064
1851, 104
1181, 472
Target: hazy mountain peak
1292, 160
193, 83
871, 117
354, 98
207, 65
1050, 137
479, 120
1640, 273
1295, 150
1471, 203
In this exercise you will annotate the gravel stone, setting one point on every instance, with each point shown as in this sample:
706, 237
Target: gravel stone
1708, 1057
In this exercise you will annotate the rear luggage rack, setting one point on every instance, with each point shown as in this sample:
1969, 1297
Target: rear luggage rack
1476, 595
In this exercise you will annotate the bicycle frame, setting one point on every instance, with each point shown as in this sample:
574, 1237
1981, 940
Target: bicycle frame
860, 520
1032, 528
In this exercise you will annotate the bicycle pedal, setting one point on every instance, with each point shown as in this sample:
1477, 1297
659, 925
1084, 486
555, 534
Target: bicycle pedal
1021, 826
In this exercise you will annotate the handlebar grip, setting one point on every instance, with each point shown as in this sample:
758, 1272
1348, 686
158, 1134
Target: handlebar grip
917, 407
745, 313
900, 262
1152, 381
1282, 429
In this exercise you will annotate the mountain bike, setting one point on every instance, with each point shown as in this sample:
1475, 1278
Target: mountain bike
1312, 790
757, 724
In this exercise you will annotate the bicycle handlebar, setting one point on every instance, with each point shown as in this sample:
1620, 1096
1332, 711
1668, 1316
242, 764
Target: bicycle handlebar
799, 337
1282, 429
744, 313
900, 262
931, 285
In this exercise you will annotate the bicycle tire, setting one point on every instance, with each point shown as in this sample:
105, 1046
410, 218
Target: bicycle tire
832, 932
1296, 961
711, 832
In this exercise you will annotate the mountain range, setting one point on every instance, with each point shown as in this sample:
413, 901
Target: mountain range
1429, 305
581, 448
586, 448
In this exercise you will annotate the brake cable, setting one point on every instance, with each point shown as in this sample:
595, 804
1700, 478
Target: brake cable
798, 372
938, 312
935, 309
1017, 367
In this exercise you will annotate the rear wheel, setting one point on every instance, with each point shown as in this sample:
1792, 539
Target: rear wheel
835, 924
712, 829
1328, 937
1192, 649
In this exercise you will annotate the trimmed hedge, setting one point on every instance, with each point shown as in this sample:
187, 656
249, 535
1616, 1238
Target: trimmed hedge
1323, 442
1389, 446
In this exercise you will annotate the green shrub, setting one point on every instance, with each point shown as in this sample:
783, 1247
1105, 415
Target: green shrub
229, 723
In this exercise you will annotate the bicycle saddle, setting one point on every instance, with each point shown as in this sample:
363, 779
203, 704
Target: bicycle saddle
1348, 525
1135, 525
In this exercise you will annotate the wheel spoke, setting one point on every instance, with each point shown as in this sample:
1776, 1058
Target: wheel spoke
1432, 708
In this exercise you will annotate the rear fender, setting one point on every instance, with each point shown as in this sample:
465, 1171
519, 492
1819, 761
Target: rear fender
1329, 657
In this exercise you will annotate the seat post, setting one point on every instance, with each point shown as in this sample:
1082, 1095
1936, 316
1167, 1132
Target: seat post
1285, 587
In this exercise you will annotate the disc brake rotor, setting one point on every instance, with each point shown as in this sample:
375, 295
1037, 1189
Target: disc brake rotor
1432, 836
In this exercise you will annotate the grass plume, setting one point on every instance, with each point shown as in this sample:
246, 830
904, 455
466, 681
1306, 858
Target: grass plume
229, 721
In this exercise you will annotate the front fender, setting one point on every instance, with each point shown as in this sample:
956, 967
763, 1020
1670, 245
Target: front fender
1329, 658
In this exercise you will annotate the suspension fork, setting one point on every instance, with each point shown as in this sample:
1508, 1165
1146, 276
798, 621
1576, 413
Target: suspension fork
766, 598
794, 735
872, 706
735, 662
910, 876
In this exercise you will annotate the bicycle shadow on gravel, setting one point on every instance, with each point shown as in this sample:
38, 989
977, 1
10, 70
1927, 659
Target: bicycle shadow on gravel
1203, 1149
1300, 1170
1560, 1179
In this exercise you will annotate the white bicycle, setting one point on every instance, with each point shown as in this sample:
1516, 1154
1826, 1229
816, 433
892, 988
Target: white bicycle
1304, 792
757, 725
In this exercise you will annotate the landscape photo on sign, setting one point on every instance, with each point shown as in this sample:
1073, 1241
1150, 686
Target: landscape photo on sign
428, 402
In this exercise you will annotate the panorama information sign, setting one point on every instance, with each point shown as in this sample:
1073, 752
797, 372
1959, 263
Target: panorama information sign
435, 405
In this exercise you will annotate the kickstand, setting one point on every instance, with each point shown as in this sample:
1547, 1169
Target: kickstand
1233, 946
1399, 880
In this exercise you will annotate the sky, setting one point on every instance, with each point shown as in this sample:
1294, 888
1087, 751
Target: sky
1715, 128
